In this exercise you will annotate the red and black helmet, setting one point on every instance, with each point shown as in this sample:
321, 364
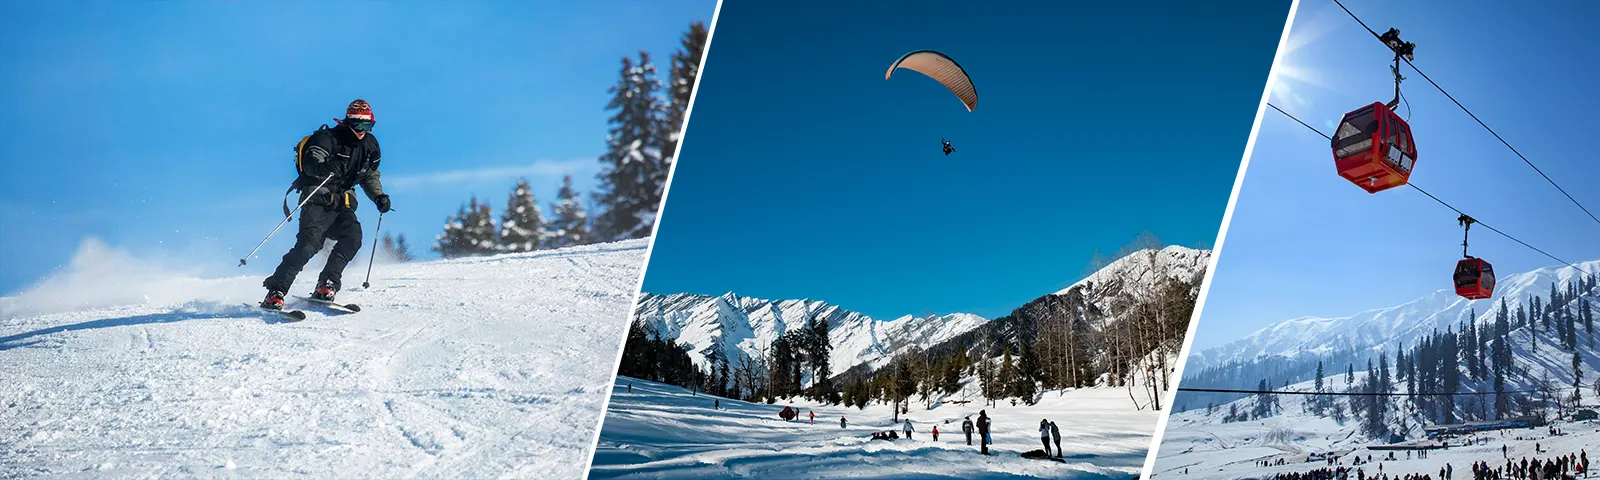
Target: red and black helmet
359, 110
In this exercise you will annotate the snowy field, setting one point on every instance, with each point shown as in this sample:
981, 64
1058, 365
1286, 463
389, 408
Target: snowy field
1200, 446
1231, 451
663, 431
484, 367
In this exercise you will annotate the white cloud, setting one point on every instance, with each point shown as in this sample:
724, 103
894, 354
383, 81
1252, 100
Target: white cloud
535, 169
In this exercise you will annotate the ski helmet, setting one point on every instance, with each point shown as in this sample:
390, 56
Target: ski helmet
359, 110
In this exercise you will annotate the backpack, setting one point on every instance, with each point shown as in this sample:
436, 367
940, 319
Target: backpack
299, 168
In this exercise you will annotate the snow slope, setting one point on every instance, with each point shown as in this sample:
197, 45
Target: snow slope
1384, 328
481, 367
665, 432
730, 323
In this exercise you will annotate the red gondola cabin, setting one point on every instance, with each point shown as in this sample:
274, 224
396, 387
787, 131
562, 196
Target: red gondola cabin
1373, 148
1474, 279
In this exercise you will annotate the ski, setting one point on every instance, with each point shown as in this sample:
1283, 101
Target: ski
294, 314
345, 307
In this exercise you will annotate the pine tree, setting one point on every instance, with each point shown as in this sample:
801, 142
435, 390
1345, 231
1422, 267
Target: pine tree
630, 189
521, 227
570, 226
479, 228
685, 70
402, 251
455, 241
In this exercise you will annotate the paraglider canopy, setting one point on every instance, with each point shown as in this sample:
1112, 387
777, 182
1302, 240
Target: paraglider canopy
942, 68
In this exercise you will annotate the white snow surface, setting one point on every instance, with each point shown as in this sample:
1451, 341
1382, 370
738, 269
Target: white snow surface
661, 431
732, 323
1384, 328
481, 367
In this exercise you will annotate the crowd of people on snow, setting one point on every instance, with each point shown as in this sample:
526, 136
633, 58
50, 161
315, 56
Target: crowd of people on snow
1048, 430
1572, 465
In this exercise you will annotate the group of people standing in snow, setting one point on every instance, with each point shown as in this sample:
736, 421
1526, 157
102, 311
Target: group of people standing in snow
1048, 431
1561, 467
968, 427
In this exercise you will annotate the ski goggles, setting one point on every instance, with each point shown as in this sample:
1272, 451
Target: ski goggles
361, 125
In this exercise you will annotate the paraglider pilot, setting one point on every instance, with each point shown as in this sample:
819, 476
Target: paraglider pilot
947, 147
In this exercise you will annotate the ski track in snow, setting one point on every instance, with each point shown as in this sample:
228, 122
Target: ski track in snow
663, 431
461, 368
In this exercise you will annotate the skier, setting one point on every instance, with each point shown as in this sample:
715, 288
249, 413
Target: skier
966, 427
983, 431
908, 429
716, 404
935, 433
337, 159
1044, 436
842, 422
813, 417
1055, 433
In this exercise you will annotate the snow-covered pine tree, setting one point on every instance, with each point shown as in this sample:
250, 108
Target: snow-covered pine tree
401, 250
629, 188
478, 228
453, 241
521, 226
571, 224
685, 69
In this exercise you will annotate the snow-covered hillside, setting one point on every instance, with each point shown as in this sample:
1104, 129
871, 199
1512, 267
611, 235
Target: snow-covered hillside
731, 323
1384, 328
481, 367
1145, 267
1199, 443
664, 432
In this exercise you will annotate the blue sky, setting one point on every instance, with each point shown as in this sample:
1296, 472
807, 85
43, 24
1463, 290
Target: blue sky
1304, 242
165, 128
806, 174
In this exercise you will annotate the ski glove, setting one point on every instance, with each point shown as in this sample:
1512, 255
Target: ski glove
382, 202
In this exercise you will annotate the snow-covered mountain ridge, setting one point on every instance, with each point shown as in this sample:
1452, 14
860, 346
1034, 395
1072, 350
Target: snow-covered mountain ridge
1385, 328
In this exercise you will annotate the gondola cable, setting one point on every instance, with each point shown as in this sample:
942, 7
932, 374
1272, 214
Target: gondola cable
1437, 199
1452, 98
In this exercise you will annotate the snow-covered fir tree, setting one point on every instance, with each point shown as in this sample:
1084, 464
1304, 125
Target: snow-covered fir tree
631, 184
395, 249
685, 69
521, 226
402, 249
453, 242
469, 232
570, 226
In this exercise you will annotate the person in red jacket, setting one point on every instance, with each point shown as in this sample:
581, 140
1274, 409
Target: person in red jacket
935, 433
813, 417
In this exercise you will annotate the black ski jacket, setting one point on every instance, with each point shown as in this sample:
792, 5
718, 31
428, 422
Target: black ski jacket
350, 160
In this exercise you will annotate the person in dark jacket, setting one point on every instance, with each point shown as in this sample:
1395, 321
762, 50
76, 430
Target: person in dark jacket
1055, 433
338, 159
983, 431
966, 426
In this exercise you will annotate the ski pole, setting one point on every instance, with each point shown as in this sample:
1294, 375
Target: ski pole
285, 220
374, 255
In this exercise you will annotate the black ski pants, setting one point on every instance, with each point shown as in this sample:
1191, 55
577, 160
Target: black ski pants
320, 222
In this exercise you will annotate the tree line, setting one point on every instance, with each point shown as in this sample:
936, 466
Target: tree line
1471, 357
645, 128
